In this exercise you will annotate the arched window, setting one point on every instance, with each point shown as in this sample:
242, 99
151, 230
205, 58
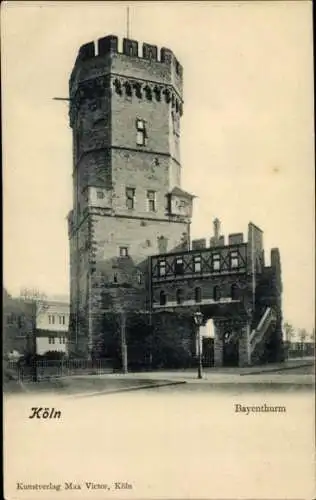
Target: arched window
216, 293
198, 294
163, 298
234, 292
179, 296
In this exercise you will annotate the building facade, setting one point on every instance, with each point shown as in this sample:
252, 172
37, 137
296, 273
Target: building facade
230, 283
52, 326
132, 266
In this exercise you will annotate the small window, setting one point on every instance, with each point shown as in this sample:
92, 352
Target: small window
60, 340
234, 262
139, 278
151, 200
100, 195
179, 296
115, 278
216, 293
197, 263
9, 319
216, 262
162, 267
51, 319
141, 136
197, 294
162, 298
130, 198
179, 267
168, 203
123, 252
234, 292
53, 339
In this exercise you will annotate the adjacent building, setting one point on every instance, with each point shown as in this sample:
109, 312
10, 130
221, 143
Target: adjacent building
27, 321
52, 324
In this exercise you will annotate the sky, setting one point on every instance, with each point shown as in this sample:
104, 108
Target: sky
247, 142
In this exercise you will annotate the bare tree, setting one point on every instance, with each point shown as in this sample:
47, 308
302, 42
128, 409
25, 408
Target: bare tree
302, 333
289, 331
34, 296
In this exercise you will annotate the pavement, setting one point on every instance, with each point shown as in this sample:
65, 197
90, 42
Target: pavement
292, 372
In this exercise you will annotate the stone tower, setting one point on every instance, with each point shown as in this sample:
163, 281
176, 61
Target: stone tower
125, 111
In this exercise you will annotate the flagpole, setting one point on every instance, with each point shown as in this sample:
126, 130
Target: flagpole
127, 22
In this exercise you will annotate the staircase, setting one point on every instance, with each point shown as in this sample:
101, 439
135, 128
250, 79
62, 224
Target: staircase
260, 335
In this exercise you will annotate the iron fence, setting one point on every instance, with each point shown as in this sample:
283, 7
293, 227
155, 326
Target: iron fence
59, 368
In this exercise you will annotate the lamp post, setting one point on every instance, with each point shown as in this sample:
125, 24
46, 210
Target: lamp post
198, 320
123, 343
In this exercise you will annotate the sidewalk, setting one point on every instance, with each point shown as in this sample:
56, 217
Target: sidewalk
248, 375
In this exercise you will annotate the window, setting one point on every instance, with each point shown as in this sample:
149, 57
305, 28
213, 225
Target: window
130, 198
51, 340
60, 340
162, 267
10, 319
197, 263
123, 252
234, 292
151, 200
197, 294
141, 135
162, 298
216, 262
61, 320
100, 195
216, 293
179, 296
234, 259
115, 278
179, 268
51, 319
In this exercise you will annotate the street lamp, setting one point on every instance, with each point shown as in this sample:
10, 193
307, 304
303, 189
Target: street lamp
198, 320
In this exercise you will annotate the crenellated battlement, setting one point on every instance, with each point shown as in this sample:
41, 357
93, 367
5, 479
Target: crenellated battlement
131, 48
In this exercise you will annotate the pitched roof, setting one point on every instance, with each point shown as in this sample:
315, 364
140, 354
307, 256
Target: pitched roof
180, 192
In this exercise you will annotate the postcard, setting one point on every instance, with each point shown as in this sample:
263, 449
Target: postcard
158, 298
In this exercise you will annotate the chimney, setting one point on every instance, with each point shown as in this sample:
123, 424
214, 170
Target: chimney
217, 228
